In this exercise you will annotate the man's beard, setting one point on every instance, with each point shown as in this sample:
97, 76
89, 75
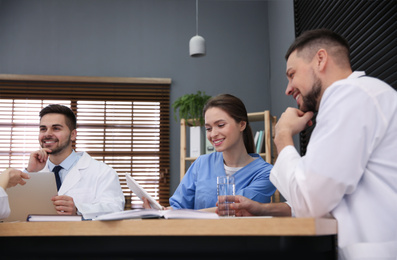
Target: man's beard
60, 148
310, 101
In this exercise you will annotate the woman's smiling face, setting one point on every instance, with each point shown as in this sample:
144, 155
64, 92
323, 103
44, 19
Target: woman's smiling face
222, 130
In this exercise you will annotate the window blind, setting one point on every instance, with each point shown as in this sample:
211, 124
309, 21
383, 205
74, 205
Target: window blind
123, 122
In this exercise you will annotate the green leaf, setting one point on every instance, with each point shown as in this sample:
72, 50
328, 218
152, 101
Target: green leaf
190, 106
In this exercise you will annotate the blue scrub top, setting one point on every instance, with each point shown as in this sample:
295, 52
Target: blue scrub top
198, 188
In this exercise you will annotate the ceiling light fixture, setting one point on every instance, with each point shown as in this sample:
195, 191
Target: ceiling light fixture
197, 43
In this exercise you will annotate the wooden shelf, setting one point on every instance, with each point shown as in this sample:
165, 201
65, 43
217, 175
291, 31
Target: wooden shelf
256, 116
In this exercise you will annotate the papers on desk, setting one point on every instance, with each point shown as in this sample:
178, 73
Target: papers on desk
37, 217
153, 213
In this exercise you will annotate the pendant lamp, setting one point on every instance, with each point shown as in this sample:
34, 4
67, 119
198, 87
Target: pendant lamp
197, 43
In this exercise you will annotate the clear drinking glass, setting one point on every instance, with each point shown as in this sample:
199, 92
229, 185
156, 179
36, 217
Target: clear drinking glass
226, 193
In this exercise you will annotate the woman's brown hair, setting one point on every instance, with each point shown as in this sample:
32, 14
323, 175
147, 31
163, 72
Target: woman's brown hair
236, 109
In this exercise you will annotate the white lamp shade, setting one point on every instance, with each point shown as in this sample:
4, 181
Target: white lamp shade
197, 46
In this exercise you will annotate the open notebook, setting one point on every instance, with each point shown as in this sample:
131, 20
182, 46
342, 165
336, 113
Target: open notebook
32, 198
154, 213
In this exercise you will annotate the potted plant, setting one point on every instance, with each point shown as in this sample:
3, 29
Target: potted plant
191, 109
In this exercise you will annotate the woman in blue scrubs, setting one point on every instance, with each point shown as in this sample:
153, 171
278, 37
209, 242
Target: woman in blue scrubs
228, 130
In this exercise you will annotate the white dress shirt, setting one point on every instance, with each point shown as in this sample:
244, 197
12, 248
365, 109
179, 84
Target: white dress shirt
66, 164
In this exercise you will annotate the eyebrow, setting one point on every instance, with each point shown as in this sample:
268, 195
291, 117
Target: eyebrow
217, 121
286, 73
52, 125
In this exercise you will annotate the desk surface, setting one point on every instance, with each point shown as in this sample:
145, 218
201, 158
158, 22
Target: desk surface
278, 226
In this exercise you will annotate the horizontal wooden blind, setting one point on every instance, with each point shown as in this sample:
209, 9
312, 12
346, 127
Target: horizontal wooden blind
123, 122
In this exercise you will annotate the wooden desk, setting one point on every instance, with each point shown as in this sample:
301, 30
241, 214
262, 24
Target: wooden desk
174, 238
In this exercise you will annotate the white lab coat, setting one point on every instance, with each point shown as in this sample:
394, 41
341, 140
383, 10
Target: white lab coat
350, 168
94, 187
4, 204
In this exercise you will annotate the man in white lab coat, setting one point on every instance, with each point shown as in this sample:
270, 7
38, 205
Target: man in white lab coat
85, 186
350, 167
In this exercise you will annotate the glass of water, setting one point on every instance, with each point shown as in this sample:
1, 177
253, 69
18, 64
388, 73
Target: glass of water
226, 193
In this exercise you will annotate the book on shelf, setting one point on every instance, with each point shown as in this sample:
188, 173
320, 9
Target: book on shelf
256, 138
259, 141
49, 218
196, 141
153, 213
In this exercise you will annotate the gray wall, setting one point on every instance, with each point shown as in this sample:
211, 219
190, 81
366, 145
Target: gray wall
246, 41
281, 35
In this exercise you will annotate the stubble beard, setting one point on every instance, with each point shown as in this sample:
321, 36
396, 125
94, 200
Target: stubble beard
310, 100
61, 148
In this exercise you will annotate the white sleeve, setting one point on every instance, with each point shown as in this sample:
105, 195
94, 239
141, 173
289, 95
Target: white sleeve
4, 206
336, 156
109, 196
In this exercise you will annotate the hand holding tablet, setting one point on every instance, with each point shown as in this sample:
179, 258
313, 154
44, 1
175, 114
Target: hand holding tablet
140, 192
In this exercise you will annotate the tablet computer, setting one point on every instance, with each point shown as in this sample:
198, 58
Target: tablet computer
140, 192
32, 198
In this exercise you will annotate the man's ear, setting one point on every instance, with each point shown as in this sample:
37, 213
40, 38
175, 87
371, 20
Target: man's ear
73, 135
321, 59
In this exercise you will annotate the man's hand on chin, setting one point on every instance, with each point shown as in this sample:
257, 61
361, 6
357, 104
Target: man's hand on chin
291, 122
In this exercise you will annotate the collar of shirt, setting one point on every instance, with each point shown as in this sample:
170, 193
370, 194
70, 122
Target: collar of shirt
231, 170
356, 74
67, 164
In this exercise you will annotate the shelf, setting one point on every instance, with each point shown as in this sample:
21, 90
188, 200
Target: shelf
255, 117
191, 159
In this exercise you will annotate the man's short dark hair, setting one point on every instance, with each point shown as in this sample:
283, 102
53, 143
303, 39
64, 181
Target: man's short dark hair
71, 120
313, 40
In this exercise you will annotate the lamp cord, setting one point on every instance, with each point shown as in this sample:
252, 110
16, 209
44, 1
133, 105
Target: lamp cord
196, 17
